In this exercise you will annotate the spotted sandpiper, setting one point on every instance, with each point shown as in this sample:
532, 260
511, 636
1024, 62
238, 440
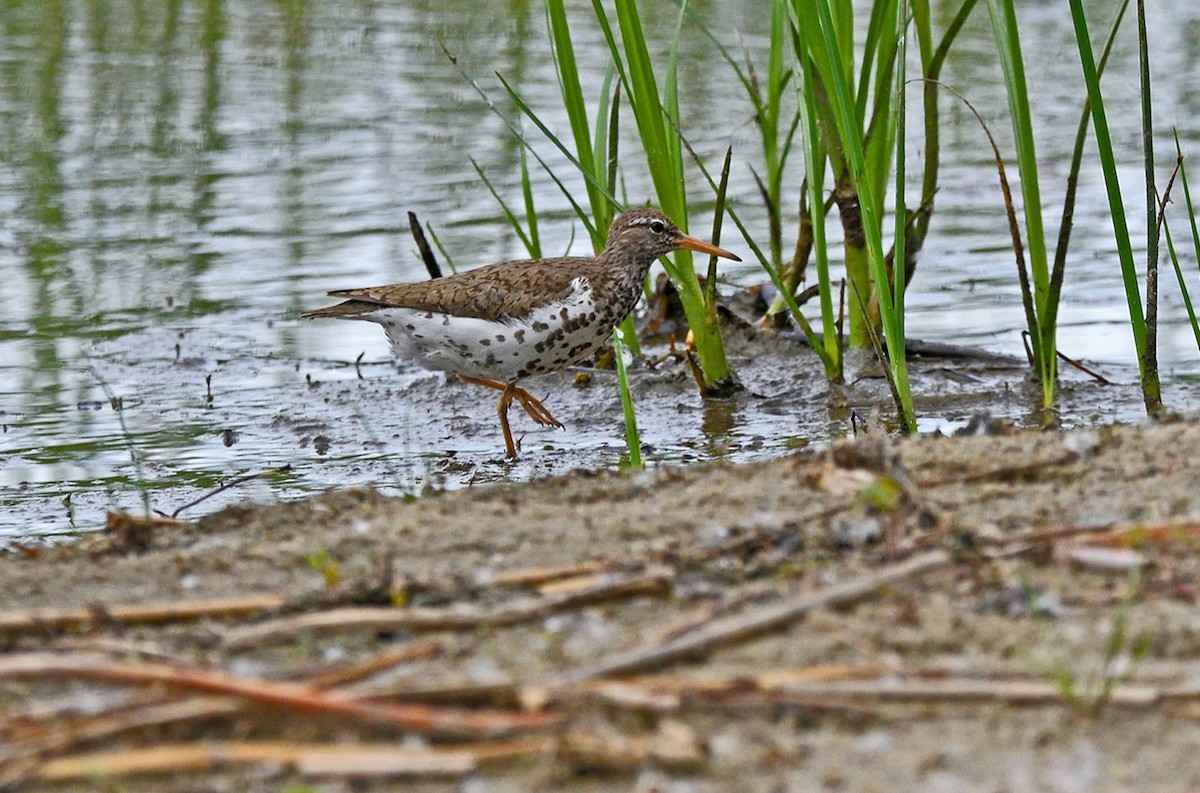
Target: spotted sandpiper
499, 324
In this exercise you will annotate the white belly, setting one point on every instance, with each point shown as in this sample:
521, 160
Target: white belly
549, 338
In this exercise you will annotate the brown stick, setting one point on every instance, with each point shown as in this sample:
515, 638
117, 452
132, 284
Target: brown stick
362, 760
1001, 472
353, 672
1158, 533
431, 262
1013, 692
67, 734
450, 619
21, 762
536, 576
56, 619
1109, 534
310, 759
296, 697
741, 628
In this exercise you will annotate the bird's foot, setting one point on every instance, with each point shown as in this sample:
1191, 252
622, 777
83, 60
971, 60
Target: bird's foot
536, 410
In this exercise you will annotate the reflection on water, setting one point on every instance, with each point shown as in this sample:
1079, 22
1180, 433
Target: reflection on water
181, 179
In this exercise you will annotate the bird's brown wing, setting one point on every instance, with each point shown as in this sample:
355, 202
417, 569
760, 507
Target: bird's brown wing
498, 291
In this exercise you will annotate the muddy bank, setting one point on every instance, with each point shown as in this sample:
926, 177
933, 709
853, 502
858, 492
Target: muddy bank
342, 423
1058, 630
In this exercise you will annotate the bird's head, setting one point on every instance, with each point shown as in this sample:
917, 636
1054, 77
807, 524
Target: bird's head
647, 233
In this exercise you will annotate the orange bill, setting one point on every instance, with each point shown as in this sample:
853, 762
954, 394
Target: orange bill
693, 244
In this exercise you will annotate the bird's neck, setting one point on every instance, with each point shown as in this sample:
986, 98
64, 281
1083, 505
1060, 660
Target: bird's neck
619, 283
627, 271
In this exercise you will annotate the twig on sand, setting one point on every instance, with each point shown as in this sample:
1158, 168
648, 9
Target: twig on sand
741, 628
393, 656
309, 759
62, 735
1002, 472
1104, 535
959, 691
674, 746
1135, 534
58, 619
455, 618
21, 761
297, 698
537, 576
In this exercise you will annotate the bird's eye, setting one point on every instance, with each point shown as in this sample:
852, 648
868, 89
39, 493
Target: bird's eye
657, 226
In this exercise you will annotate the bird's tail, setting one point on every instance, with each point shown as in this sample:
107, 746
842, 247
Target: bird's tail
349, 309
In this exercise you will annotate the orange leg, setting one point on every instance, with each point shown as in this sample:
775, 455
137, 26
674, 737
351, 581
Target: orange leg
506, 398
510, 391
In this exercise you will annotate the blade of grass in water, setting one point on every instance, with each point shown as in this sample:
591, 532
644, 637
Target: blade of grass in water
1191, 215
710, 283
515, 131
1183, 287
508, 213
441, 248
901, 211
850, 134
1008, 45
1108, 165
815, 161
632, 440
535, 243
655, 122
1068, 213
1151, 387
573, 103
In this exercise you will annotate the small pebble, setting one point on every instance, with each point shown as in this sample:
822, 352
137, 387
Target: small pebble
1082, 443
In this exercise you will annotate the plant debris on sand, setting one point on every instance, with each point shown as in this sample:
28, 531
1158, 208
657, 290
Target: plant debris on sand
1008, 612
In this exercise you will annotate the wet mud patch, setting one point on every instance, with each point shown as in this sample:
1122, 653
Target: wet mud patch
197, 414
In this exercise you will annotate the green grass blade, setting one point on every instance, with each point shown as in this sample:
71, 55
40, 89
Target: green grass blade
441, 248
877, 33
515, 131
933, 68
671, 96
508, 213
1151, 387
901, 217
1008, 44
1183, 287
897, 356
588, 176
632, 440
664, 161
1108, 164
646, 102
851, 137
604, 153
573, 103
1187, 194
1191, 214
535, 243
1058, 271
815, 162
